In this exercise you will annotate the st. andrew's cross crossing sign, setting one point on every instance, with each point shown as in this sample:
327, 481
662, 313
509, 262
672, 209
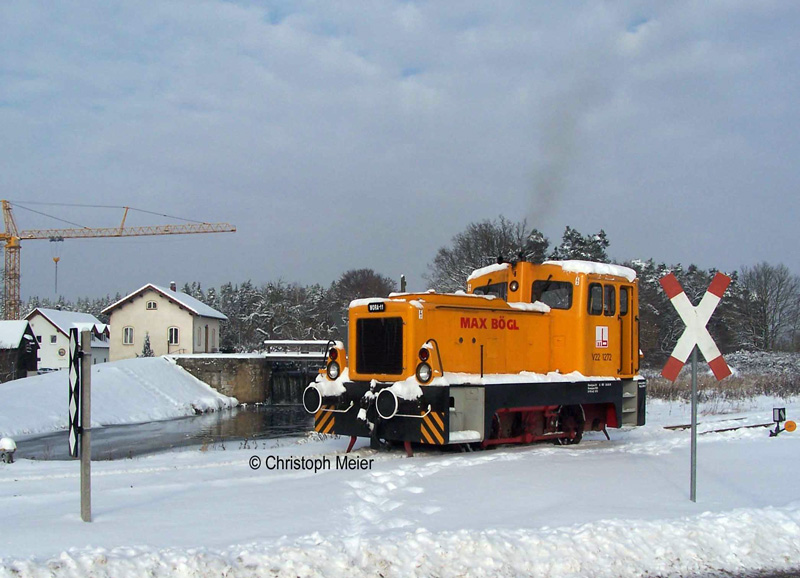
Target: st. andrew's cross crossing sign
696, 332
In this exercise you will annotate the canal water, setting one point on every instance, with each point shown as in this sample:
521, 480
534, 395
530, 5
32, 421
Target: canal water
234, 426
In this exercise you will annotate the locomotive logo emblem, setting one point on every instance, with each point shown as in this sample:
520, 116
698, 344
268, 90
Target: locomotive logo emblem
601, 337
376, 307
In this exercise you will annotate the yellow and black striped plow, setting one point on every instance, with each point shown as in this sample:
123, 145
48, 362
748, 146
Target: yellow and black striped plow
432, 429
324, 420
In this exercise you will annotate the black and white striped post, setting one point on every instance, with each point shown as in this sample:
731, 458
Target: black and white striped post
80, 412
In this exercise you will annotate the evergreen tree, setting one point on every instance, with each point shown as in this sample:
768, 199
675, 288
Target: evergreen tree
147, 351
576, 246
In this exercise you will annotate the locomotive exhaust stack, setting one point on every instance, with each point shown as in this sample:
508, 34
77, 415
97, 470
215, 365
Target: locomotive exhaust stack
531, 352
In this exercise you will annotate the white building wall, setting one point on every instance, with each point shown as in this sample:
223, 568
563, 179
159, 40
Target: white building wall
52, 354
206, 335
56, 355
157, 322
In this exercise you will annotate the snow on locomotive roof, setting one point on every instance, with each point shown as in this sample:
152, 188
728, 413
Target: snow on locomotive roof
397, 298
570, 266
590, 267
488, 269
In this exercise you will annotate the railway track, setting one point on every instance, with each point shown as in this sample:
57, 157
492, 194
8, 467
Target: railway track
720, 430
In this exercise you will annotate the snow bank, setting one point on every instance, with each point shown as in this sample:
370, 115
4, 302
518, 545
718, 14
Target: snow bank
129, 391
736, 542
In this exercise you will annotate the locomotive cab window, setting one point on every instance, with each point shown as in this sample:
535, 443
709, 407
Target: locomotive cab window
497, 289
610, 301
556, 294
623, 301
595, 299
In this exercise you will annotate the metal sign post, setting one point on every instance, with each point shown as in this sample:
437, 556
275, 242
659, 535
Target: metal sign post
86, 426
695, 336
693, 483
80, 412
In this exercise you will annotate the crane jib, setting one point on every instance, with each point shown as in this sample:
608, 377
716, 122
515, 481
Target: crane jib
12, 237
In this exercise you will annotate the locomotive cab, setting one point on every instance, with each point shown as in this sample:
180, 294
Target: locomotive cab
593, 308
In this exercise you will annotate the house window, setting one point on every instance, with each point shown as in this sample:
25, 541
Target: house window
53, 338
127, 335
151, 305
39, 338
173, 336
213, 338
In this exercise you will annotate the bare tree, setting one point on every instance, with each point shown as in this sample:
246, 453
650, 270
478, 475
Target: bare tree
481, 244
771, 305
357, 284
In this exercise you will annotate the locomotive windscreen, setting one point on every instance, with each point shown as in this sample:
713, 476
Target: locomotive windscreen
380, 345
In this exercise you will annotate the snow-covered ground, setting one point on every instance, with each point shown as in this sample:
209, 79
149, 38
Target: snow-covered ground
129, 391
602, 508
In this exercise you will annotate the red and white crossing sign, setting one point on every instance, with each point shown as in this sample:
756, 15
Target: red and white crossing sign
696, 332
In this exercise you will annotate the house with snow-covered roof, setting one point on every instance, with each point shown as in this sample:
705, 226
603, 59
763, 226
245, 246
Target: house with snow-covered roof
174, 323
51, 328
18, 350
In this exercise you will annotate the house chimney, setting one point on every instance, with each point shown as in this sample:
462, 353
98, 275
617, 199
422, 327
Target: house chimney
172, 286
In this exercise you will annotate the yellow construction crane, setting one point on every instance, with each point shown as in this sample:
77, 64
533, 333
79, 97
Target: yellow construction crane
12, 237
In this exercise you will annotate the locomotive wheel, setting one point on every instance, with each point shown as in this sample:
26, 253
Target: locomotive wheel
571, 419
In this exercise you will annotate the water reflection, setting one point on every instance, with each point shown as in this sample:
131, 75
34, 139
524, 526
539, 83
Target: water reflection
124, 441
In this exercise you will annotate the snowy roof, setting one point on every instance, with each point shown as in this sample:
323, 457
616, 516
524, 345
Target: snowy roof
590, 267
488, 269
63, 320
11, 333
187, 301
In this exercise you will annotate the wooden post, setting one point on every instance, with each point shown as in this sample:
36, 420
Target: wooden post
86, 426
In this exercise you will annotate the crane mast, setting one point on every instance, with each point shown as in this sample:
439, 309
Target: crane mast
12, 237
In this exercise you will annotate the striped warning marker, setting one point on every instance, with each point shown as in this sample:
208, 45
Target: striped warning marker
696, 332
74, 391
432, 429
324, 420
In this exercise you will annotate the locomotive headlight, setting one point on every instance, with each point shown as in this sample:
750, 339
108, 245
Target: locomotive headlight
514, 286
424, 373
333, 370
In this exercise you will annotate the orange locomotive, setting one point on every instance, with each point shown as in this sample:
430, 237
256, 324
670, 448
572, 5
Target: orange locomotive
530, 352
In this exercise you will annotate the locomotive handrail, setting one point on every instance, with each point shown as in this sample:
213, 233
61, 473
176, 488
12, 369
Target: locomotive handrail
424, 415
438, 354
492, 309
621, 344
345, 410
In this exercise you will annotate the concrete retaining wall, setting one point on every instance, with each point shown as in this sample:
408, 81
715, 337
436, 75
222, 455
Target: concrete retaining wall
245, 378
251, 379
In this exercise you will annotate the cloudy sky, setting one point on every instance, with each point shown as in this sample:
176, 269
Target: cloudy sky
340, 135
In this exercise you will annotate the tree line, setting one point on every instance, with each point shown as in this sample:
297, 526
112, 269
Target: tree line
760, 310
